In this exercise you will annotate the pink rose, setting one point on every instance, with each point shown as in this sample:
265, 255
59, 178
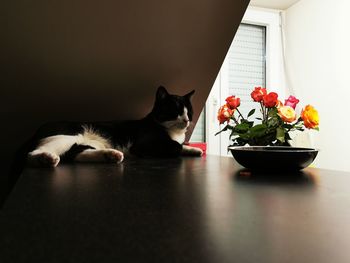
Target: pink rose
291, 102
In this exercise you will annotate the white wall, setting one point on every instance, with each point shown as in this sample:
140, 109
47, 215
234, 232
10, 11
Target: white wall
317, 53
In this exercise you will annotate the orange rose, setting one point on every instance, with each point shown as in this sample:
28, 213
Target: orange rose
287, 113
270, 100
224, 114
233, 102
258, 94
279, 104
310, 117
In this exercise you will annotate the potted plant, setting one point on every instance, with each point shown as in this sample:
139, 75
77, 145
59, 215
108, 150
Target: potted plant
275, 124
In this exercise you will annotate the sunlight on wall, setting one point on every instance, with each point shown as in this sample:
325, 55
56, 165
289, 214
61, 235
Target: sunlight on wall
317, 60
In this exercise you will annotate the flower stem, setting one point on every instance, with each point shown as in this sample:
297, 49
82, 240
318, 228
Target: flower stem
263, 111
234, 119
240, 114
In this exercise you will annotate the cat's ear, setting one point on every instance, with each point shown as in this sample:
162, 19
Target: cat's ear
161, 93
189, 95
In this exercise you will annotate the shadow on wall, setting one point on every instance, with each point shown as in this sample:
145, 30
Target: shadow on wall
103, 60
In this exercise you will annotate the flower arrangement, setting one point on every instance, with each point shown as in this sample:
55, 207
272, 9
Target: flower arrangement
276, 123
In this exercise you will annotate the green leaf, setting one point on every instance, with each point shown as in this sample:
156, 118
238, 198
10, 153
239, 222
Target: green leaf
244, 136
251, 113
258, 130
250, 123
273, 122
242, 127
272, 112
280, 134
224, 129
258, 127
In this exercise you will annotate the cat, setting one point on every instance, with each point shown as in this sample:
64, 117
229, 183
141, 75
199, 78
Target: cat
160, 134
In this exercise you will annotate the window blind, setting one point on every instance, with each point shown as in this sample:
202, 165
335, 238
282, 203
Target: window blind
245, 68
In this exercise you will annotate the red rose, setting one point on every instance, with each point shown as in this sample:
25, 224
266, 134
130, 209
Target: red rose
224, 114
291, 101
233, 102
258, 94
270, 100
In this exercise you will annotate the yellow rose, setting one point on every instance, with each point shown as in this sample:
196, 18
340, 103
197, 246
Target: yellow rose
287, 113
310, 117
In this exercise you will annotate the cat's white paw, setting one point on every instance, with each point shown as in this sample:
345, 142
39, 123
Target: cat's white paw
113, 155
191, 151
45, 159
197, 152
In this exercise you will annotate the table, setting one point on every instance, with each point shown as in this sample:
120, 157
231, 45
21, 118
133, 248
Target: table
176, 210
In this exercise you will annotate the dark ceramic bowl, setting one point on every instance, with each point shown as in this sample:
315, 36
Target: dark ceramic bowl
273, 157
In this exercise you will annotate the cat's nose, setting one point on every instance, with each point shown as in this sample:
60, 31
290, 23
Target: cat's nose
186, 120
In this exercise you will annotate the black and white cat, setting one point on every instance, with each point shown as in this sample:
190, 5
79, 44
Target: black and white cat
160, 134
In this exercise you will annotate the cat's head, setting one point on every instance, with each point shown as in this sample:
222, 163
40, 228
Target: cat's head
173, 111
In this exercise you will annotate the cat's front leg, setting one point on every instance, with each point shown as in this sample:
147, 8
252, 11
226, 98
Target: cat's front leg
191, 151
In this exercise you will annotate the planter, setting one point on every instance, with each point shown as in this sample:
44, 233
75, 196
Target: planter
273, 158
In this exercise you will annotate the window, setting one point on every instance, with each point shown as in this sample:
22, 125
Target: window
254, 59
198, 134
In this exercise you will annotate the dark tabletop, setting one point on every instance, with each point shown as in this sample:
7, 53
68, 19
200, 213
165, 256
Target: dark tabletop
176, 210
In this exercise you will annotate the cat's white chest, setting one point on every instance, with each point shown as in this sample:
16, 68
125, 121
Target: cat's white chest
177, 135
